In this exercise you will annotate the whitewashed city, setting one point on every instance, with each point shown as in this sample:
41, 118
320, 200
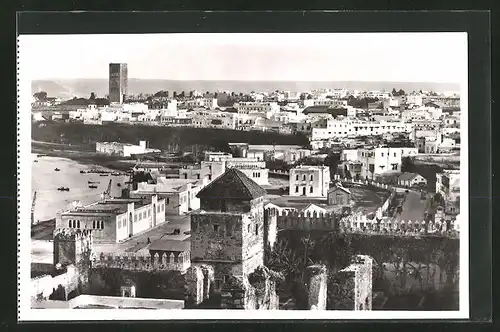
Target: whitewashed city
255, 196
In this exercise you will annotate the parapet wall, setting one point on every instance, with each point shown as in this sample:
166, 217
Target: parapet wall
365, 182
166, 262
359, 223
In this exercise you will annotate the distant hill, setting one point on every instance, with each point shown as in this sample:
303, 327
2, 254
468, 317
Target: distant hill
69, 88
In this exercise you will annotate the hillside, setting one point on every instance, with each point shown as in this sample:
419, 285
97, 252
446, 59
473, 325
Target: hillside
165, 138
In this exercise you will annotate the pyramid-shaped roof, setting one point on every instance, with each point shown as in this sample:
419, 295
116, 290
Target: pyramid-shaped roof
232, 184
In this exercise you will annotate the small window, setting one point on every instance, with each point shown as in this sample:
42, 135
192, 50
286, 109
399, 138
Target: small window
303, 177
216, 228
102, 224
249, 228
311, 189
382, 154
168, 200
78, 224
93, 224
256, 229
149, 212
296, 189
297, 177
312, 177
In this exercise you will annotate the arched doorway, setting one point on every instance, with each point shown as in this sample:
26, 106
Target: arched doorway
130, 225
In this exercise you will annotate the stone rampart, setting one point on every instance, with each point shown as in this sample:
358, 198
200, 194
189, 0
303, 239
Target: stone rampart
359, 223
133, 262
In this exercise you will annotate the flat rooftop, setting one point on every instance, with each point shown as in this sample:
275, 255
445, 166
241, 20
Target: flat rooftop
108, 302
110, 206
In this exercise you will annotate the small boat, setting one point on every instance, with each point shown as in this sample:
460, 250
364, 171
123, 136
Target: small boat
57, 169
91, 182
92, 186
35, 161
103, 174
63, 189
82, 172
115, 174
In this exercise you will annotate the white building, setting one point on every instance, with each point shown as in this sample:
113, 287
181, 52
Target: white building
267, 108
415, 99
219, 120
208, 103
350, 128
210, 170
376, 161
123, 149
448, 185
332, 103
179, 194
311, 181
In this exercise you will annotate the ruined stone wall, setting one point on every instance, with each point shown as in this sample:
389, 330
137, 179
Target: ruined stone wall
361, 271
317, 285
216, 236
160, 284
253, 240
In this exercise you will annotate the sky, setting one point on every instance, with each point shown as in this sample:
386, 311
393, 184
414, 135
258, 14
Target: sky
395, 57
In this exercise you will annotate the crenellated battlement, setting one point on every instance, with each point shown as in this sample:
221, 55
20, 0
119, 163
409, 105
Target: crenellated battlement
166, 262
359, 223
71, 234
364, 182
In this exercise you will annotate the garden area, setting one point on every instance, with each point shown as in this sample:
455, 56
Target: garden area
412, 272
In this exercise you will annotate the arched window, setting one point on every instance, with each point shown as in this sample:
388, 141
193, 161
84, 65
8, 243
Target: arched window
311, 177
297, 177
93, 224
69, 223
102, 224
78, 224
303, 177
74, 223
311, 189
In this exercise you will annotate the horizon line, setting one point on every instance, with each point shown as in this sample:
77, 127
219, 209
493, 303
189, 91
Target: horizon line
250, 80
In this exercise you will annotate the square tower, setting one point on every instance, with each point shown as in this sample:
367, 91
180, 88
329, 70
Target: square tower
118, 82
228, 231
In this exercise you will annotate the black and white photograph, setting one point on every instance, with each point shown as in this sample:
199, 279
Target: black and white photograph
259, 175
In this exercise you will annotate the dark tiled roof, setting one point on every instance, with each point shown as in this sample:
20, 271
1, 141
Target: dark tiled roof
232, 184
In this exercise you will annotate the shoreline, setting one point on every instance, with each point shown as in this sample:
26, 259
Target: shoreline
86, 157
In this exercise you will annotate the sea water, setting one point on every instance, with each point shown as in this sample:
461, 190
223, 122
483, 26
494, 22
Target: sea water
45, 181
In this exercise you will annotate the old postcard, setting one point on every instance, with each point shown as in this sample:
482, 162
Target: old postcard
262, 176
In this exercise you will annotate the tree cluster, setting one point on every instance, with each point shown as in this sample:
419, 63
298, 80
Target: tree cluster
40, 96
400, 92
360, 102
